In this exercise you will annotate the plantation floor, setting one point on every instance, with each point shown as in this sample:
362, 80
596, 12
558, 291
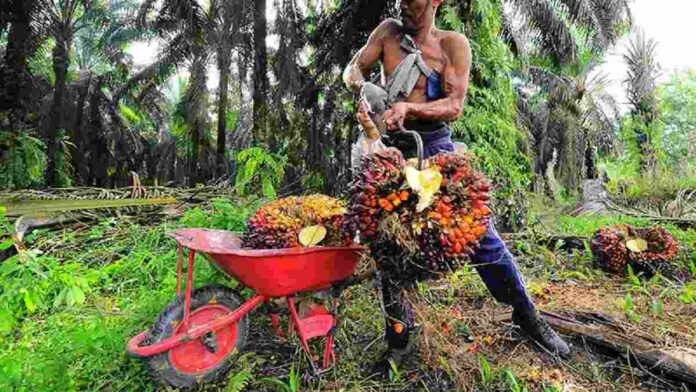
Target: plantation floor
68, 311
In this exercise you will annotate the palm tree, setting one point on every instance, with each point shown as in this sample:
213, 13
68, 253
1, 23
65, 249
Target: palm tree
559, 29
181, 23
21, 41
98, 58
641, 83
260, 98
560, 43
226, 27
62, 19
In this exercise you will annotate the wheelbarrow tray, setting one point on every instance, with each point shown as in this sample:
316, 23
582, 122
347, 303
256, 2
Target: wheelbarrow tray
272, 272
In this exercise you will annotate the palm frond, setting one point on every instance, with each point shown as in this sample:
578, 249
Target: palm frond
642, 74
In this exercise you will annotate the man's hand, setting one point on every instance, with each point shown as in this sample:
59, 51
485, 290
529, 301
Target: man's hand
396, 114
371, 130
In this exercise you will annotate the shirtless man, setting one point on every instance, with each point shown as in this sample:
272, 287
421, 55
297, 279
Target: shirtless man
436, 98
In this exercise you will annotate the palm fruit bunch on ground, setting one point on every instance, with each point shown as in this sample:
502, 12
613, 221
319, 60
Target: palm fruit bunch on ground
609, 248
419, 224
647, 250
278, 225
659, 249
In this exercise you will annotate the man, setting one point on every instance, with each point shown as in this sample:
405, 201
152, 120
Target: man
427, 74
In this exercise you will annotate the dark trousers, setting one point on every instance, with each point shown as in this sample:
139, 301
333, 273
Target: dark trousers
493, 262
497, 269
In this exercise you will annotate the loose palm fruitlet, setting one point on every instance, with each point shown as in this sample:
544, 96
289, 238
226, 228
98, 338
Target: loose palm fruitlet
646, 250
277, 225
437, 239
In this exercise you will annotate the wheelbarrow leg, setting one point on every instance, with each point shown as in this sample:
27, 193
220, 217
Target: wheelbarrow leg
298, 326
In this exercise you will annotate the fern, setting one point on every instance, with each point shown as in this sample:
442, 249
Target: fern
239, 381
24, 164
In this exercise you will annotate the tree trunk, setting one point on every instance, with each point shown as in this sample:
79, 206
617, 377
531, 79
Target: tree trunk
60, 68
13, 74
78, 136
98, 161
260, 74
195, 99
224, 63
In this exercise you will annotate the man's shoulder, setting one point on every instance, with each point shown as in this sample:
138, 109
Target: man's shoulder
452, 40
390, 26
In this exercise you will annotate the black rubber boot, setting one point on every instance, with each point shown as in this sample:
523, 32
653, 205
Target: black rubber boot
398, 356
400, 349
538, 329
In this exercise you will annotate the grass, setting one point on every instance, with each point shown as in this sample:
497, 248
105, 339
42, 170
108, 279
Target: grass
66, 314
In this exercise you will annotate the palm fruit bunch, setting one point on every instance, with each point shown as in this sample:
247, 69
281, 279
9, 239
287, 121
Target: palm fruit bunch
279, 224
647, 250
609, 248
376, 191
419, 223
654, 255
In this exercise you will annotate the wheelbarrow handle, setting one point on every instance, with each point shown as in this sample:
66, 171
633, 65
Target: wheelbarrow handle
419, 142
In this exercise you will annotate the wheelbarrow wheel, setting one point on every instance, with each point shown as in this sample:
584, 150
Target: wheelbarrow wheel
203, 360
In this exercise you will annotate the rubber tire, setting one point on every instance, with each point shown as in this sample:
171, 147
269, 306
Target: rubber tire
159, 366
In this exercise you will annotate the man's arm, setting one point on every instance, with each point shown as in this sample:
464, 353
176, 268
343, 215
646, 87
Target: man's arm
367, 56
456, 83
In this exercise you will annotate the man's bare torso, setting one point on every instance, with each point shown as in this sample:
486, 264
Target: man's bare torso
433, 51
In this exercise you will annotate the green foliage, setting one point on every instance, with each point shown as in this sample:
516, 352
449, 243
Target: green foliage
677, 107
313, 182
485, 370
259, 172
222, 215
41, 63
64, 317
292, 385
688, 294
625, 184
514, 385
640, 141
24, 163
64, 167
240, 380
487, 125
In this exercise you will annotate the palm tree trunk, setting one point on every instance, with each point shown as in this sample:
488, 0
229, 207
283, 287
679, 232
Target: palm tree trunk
224, 63
13, 74
60, 68
195, 99
260, 73
78, 136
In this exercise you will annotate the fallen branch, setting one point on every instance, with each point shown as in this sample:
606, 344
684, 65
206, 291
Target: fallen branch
681, 222
677, 364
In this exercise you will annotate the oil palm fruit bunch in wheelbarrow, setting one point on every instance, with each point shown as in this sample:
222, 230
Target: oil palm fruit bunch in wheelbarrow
646, 250
419, 223
293, 222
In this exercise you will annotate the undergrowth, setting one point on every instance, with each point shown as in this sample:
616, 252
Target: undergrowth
66, 315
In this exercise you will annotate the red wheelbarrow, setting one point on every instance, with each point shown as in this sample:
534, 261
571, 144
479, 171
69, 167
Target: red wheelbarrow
193, 340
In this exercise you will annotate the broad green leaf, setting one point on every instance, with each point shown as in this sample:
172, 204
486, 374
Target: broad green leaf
29, 300
6, 244
78, 295
7, 322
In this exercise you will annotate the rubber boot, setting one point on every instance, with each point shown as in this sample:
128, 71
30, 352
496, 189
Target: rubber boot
399, 349
538, 329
